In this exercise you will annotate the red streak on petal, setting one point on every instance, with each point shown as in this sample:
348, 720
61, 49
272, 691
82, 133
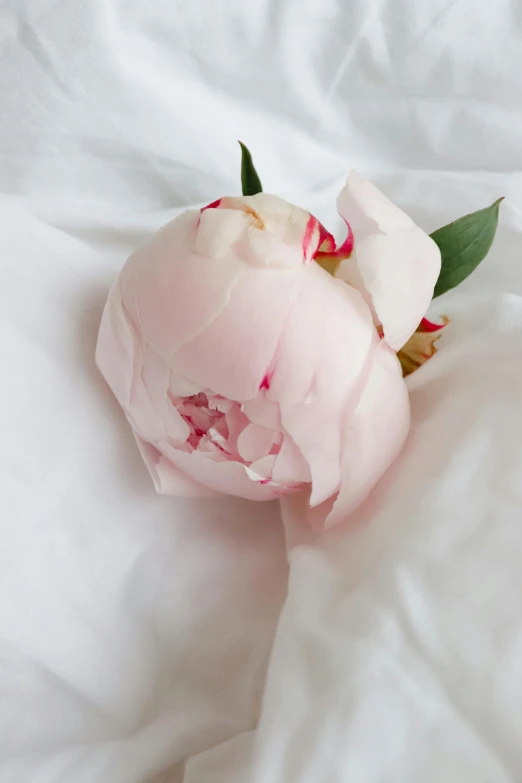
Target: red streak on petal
265, 481
347, 246
429, 326
214, 205
308, 234
270, 370
328, 252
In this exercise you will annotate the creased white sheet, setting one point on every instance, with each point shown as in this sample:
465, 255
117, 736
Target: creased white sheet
136, 630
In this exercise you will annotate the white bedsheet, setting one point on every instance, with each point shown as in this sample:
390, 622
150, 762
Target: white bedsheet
146, 639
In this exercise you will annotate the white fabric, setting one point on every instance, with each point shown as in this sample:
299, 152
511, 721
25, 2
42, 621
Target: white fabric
135, 630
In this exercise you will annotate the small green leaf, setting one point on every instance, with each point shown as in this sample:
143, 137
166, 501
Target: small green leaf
463, 245
250, 182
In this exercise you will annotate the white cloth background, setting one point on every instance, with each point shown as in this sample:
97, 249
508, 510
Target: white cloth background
136, 630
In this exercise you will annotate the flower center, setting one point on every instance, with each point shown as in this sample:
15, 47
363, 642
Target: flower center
221, 430
204, 419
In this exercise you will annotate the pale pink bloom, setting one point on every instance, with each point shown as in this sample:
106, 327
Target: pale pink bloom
245, 368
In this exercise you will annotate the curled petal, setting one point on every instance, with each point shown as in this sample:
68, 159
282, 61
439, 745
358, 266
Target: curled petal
263, 411
118, 352
394, 263
170, 293
264, 229
326, 241
138, 378
372, 438
231, 354
167, 478
234, 478
329, 256
314, 384
255, 442
290, 465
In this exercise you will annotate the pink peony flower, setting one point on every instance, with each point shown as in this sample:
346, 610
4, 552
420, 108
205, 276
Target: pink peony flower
245, 368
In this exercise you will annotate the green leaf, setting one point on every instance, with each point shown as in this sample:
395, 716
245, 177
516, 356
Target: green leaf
463, 245
250, 182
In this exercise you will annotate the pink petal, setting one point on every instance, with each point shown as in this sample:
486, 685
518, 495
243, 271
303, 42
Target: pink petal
263, 411
261, 469
314, 385
373, 435
218, 230
180, 386
229, 478
236, 422
211, 450
286, 221
137, 377
171, 293
325, 342
315, 427
394, 263
168, 479
156, 377
263, 229
290, 465
231, 355
290, 225
255, 442
367, 210
118, 351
